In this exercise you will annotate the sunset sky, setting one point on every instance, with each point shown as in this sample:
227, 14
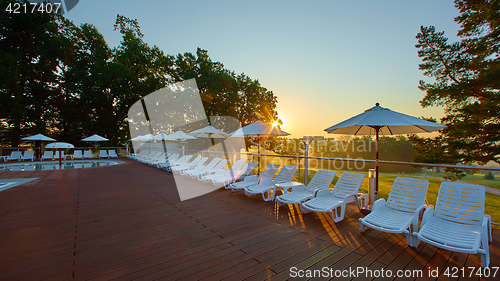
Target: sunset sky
325, 60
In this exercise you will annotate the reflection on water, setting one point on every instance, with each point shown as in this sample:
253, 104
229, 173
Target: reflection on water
39, 166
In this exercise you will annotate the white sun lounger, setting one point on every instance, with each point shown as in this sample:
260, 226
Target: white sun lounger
236, 174
186, 166
219, 166
458, 224
224, 173
302, 193
47, 155
14, 155
77, 154
103, 154
87, 154
266, 187
200, 168
345, 191
112, 153
56, 155
401, 211
268, 173
28, 155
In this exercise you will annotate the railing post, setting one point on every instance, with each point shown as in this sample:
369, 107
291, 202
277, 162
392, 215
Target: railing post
307, 140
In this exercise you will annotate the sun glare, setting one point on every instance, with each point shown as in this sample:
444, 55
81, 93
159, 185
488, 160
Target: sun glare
275, 124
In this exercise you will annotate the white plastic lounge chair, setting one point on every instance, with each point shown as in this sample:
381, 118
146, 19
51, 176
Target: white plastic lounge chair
266, 187
237, 174
87, 154
192, 162
47, 154
28, 155
200, 173
224, 174
14, 155
186, 166
184, 159
103, 154
458, 224
198, 169
56, 155
112, 153
266, 175
401, 211
77, 154
165, 162
302, 193
345, 191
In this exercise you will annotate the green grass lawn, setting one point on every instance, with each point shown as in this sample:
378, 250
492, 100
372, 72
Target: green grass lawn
386, 180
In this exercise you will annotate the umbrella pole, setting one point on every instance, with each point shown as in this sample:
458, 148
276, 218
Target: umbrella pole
258, 153
377, 129
60, 159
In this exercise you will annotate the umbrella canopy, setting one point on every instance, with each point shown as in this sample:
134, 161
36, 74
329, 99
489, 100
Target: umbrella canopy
179, 135
390, 123
61, 145
95, 138
39, 137
208, 132
259, 129
160, 136
382, 120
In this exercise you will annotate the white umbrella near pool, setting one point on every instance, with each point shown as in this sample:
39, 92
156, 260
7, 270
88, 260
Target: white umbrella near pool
178, 136
259, 129
382, 120
95, 138
210, 133
59, 146
40, 138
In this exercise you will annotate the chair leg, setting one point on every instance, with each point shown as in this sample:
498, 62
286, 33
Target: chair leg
362, 227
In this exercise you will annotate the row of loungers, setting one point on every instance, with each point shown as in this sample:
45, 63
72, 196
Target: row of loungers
456, 223
50, 155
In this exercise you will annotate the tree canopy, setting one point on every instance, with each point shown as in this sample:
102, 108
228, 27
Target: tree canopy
467, 84
65, 81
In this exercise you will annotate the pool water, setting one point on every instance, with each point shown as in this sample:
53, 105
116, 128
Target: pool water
54, 165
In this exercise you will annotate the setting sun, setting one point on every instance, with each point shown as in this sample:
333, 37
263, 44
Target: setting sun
275, 123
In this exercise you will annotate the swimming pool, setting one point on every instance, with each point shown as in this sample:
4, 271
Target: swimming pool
54, 165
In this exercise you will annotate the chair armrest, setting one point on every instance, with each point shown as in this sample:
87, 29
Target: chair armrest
378, 204
299, 187
322, 192
428, 214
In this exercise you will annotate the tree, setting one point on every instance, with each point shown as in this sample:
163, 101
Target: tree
33, 52
467, 85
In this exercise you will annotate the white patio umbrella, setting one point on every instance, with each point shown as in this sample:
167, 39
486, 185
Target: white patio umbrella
40, 138
59, 146
382, 120
210, 133
259, 129
95, 138
178, 136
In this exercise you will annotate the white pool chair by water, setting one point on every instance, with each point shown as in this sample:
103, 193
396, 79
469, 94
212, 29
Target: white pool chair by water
209, 170
77, 154
345, 191
47, 155
14, 155
28, 155
87, 154
235, 175
265, 188
401, 211
182, 160
224, 174
56, 155
458, 223
301, 193
186, 166
266, 175
112, 153
103, 154
200, 168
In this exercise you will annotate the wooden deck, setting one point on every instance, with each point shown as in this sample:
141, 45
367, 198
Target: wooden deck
126, 222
